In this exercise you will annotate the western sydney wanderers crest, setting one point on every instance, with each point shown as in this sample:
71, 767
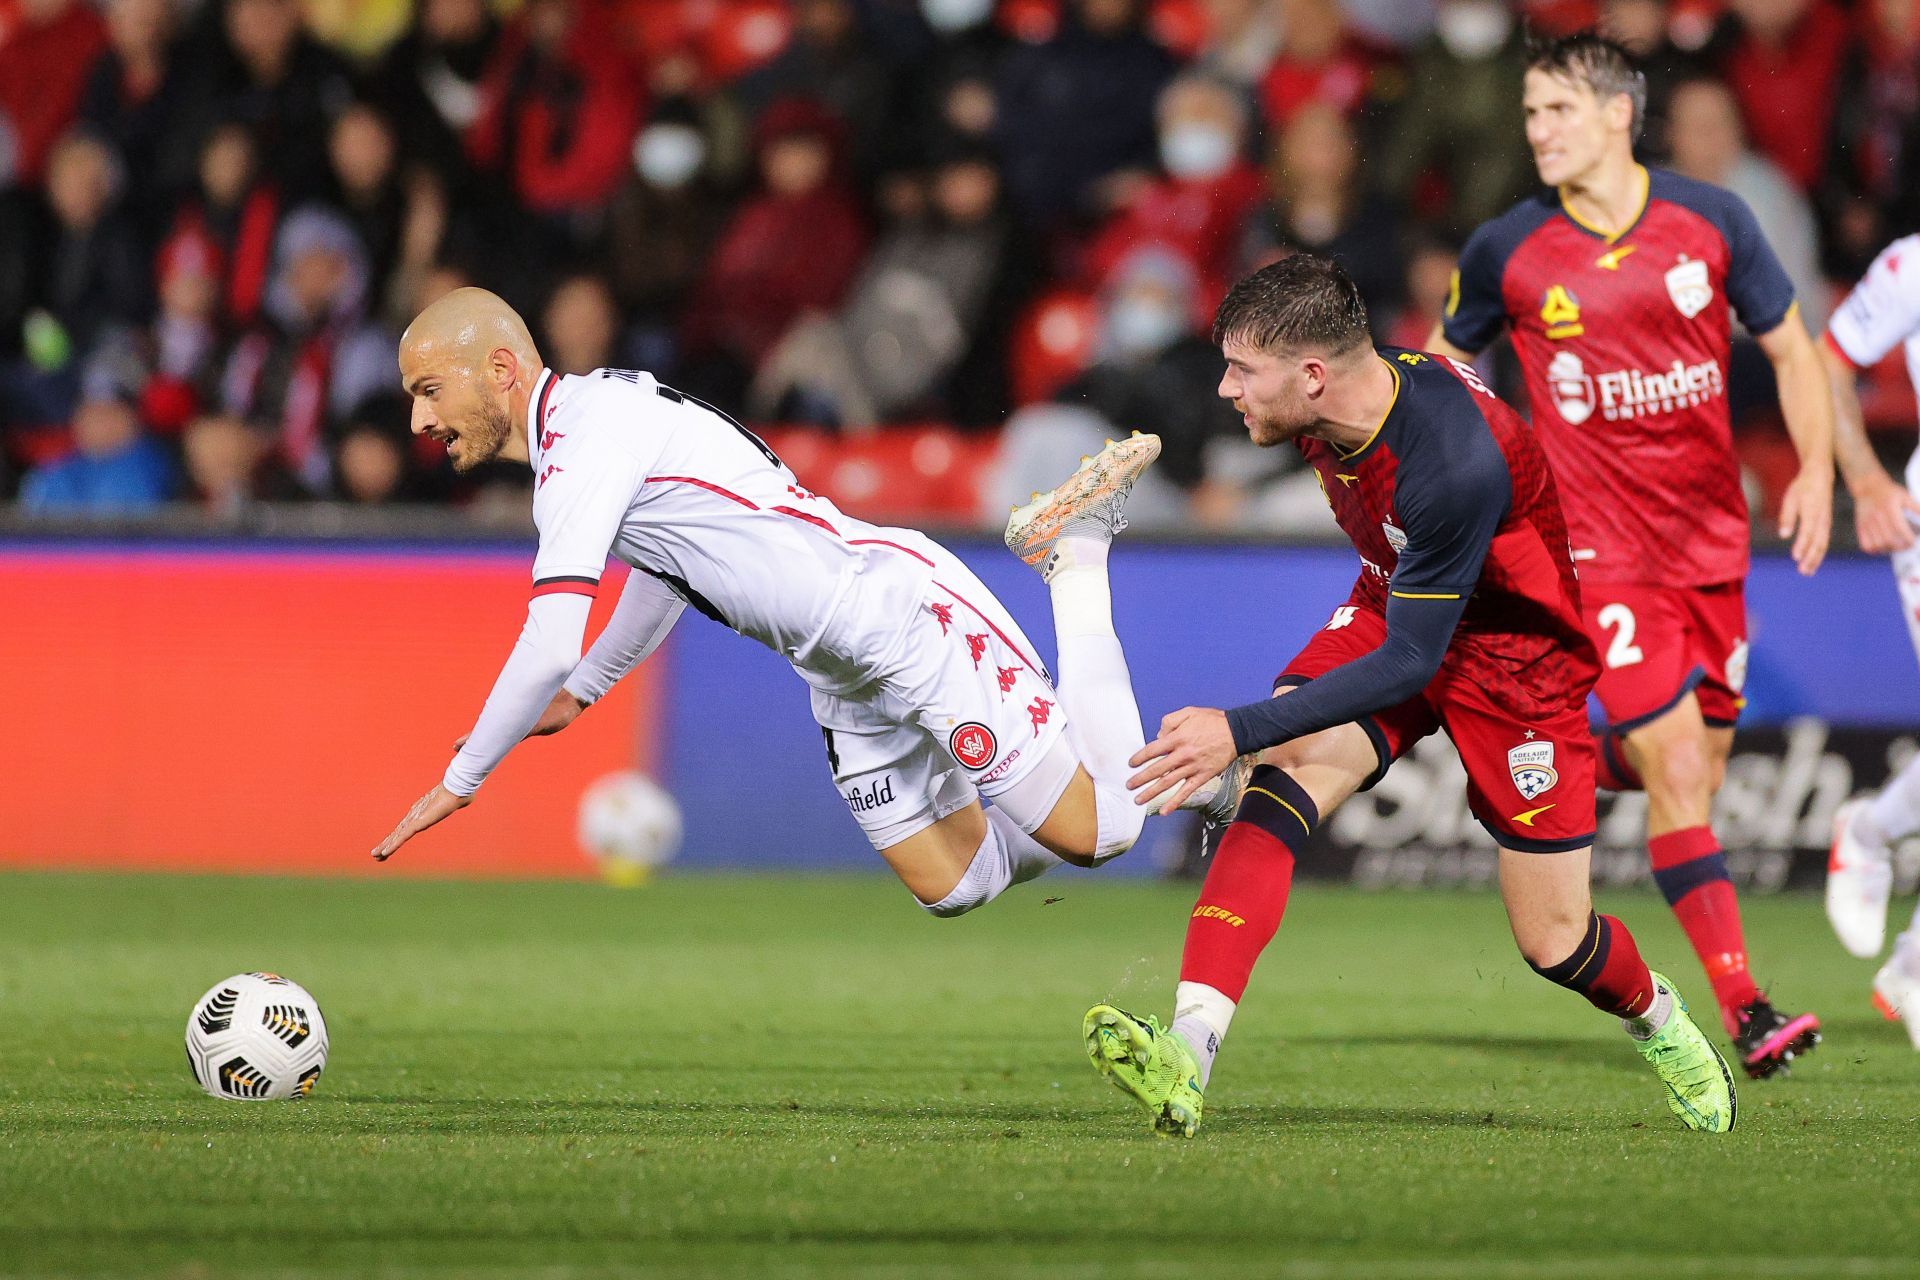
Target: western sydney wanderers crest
1531, 764
1571, 386
1689, 287
972, 745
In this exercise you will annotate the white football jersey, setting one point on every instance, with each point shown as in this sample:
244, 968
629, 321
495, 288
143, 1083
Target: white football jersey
1883, 311
624, 466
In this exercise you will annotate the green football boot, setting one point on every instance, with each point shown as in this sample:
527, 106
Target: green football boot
1148, 1063
1699, 1085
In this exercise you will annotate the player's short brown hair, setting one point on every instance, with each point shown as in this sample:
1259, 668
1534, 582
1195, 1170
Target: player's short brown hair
1301, 301
1603, 65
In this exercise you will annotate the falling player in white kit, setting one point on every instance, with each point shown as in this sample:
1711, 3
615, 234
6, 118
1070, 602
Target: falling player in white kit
929, 696
1882, 312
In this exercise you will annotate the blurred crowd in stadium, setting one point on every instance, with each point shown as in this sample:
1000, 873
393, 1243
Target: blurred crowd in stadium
942, 242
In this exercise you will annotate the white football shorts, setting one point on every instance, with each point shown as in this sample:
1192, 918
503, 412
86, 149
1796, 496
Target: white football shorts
965, 710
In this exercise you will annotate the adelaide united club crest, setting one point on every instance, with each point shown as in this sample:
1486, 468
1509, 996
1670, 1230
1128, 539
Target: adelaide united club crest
1531, 764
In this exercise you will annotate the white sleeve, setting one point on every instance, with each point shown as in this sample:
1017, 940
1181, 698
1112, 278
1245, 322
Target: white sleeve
547, 651
641, 620
1883, 310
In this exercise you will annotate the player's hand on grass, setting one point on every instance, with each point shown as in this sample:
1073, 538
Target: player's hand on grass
561, 712
1806, 516
1194, 747
430, 808
1881, 510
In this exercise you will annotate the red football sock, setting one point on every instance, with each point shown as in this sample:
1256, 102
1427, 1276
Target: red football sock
1245, 892
1607, 969
1692, 873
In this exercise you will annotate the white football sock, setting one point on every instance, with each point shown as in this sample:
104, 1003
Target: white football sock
1648, 1024
1895, 812
1201, 1016
1095, 687
1027, 858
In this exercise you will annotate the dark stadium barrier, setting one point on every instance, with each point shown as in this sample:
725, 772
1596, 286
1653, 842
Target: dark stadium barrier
275, 704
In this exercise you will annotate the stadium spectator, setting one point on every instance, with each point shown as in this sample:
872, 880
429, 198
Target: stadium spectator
559, 107
237, 213
231, 466
1243, 39
373, 460
44, 66
1430, 266
367, 186
1708, 142
131, 96
71, 271
184, 348
660, 229
755, 284
580, 326
1645, 28
1315, 201
1154, 368
1074, 117
1460, 122
911, 315
1784, 60
1323, 60
1871, 190
429, 83
830, 61
315, 356
1197, 208
957, 84
114, 468
268, 75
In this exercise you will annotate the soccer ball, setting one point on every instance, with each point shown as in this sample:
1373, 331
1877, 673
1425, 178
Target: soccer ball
257, 1036
630, 825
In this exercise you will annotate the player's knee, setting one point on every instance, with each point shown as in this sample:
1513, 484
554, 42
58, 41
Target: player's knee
1680, 767
1548, 935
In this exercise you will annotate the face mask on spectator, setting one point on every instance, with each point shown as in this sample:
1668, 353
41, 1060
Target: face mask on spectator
1473, 29
668, 155
1196, 150
1143, 326
950, 16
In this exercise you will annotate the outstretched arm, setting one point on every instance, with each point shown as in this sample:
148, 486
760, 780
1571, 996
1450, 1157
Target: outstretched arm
647, 610
543, 657
1806, 509
1881, 504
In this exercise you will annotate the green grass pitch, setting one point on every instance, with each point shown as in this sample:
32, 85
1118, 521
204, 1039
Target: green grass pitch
775, 1077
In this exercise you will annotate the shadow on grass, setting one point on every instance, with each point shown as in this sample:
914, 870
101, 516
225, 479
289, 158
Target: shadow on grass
1556, 1049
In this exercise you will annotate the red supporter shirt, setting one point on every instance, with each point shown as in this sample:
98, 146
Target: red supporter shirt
1623, 344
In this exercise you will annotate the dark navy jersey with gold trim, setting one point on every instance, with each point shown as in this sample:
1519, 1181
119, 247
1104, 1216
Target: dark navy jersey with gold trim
1452, 499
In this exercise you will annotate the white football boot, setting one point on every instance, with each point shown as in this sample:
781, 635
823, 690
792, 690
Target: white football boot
1896, 992
1859, 878
1090, 503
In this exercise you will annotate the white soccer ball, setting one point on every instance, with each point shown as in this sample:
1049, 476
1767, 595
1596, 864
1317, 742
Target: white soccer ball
257, 1036
630, 825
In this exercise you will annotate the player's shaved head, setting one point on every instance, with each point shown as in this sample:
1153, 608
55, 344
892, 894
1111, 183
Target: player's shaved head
470, 322
469, 364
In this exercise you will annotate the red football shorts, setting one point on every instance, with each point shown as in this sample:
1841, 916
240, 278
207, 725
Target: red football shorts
1658, 644
1529, 782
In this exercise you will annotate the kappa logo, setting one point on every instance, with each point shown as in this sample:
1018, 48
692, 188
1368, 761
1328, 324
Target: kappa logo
1531, 764
547, 475
548, 436
1039, 711
973, 745
1007, 676
1571, 386
942, 614
1560, 312
1689, 287
977, 647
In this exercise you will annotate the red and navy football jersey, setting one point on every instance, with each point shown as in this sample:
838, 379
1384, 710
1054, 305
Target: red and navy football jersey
1452, 498
1624, 342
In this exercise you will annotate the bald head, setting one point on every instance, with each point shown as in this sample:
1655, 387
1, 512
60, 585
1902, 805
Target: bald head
472, 323
470, 365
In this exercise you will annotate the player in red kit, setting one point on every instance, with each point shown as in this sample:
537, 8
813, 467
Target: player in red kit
1616, 283
1466, 618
